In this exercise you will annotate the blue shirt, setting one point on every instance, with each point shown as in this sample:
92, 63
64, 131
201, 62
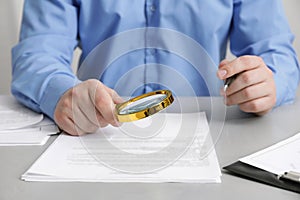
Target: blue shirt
52, 29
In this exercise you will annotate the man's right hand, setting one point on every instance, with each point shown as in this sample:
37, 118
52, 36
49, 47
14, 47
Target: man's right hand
86, 107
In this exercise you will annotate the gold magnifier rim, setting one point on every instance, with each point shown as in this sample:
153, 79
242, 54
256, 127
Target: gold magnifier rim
145, 112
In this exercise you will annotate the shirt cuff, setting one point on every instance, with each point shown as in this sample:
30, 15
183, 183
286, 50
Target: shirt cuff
284, 94
56, 87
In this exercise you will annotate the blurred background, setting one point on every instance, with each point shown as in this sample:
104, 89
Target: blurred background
10, 19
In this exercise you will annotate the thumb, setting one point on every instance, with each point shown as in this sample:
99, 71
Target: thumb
114, 96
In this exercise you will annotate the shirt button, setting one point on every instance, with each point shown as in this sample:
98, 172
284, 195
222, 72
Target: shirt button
152, 8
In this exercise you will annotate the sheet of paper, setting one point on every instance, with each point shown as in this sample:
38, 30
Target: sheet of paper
279, 158
21, 126
69, 159
27, 136
15, 116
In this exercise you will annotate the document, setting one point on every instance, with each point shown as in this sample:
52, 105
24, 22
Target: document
22, 126
71, 158
277, 165
279, 158
13, 115
37, 134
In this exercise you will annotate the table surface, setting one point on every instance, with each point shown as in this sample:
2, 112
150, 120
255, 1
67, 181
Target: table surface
241, 135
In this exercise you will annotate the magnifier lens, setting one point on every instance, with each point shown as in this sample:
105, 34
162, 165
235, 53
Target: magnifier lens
143, 104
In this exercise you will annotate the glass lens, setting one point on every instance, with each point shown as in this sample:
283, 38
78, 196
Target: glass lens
143, 103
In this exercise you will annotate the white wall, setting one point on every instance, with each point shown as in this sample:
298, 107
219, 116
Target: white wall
10, 19
292, 10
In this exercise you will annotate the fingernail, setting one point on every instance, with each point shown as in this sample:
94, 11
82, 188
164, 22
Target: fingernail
117, 124
222, 72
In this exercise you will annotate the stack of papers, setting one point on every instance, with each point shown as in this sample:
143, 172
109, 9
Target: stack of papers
71, 158
21, 126
278, 159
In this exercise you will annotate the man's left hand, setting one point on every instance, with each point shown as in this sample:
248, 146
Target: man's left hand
254, 87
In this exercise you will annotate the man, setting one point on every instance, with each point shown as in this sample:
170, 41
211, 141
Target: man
266, 68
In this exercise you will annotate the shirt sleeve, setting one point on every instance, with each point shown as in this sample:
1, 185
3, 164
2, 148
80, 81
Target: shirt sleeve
260, 28
42, 60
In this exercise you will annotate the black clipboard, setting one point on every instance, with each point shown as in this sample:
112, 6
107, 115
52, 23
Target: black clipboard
253, 173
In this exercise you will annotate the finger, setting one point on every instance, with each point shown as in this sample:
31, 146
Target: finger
247, 94
101, 121
83, 114
86, 106
246, 79
117, 100
90, 113
259, 106
69, 127
89, 107
98, 86
105, 105
79, 131
63, 116
114, 95
82, 120
239, 65
224, 62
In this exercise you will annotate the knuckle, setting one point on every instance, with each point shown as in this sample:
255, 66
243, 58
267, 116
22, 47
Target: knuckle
59, 120
246, 78
92, 86
243, 62
259, 59
104, 105
243, 59
247, 92
255, 106
60, 116
65, 103
73, 93
91, 82
230, 70
100, 101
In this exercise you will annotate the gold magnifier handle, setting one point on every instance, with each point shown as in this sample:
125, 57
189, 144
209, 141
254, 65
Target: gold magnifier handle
140, 114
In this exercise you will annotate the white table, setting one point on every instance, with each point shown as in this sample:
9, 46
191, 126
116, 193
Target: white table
242, 134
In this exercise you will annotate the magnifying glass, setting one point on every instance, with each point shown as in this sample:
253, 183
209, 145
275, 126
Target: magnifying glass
143, 106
